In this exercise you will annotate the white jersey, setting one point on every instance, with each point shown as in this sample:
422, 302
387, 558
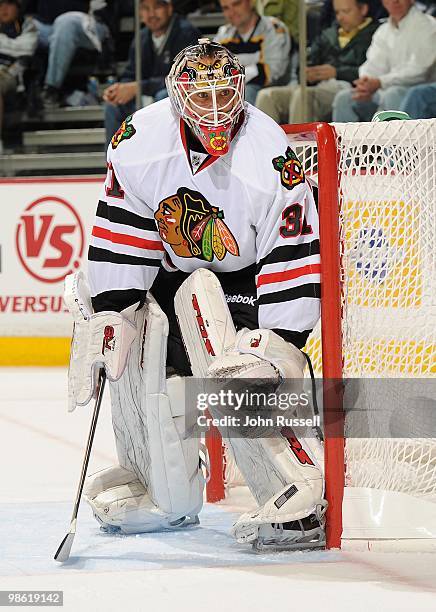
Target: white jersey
163, 204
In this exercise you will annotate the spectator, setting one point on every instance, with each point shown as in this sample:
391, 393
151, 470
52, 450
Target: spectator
285, 10
402, 54
64, 26
262, 45
18, 37
334, 60
420, 101
163, 37
376, 11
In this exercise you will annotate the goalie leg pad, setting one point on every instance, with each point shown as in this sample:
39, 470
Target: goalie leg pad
269, 465
279, 461
204, 318
148, 417
209, 333
287, 483
290, 362
176, 480
287, 474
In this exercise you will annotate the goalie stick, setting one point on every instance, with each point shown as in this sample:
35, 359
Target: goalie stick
63, 552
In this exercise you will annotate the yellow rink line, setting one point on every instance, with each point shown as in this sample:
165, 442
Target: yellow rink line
412, 358
27, 351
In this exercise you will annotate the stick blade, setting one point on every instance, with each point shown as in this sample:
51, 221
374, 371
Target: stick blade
63, 552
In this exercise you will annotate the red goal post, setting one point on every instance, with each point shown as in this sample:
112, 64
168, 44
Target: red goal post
323, 136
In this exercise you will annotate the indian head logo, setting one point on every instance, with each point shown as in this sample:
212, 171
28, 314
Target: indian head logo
193, 227
124, 132
290, 168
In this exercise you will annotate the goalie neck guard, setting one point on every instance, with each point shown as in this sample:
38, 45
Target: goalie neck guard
206, 87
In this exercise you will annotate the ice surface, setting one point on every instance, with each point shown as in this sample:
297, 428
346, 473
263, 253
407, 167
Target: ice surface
202, 568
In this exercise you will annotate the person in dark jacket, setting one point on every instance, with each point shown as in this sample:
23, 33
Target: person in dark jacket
334, 61
17, 43
376, 11
64, 26
163, 37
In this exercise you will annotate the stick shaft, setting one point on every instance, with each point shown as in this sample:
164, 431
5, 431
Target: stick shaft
101, 385
63, 552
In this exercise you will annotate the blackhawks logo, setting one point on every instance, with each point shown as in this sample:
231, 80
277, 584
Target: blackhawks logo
290, 168
124, 132
218, 141
193, 227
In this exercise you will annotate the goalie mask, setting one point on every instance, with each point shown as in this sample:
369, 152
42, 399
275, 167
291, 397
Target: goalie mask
206, 88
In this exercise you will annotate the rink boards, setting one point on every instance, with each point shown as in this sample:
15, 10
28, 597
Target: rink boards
45, 225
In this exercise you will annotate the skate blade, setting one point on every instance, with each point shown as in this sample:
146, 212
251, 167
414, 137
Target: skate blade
308, 543
111, 529
186, 523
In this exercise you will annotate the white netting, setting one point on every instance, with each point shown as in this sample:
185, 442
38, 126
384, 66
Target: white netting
387, 194
387, 191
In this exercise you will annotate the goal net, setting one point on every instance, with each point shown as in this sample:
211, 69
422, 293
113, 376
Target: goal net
377, 200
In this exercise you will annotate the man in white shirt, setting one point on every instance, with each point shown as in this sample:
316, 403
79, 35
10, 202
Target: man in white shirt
402, 54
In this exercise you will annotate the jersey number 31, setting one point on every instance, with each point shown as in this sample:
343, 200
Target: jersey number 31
295, 222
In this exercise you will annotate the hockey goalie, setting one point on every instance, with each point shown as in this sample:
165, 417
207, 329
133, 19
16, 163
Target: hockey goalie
203, 261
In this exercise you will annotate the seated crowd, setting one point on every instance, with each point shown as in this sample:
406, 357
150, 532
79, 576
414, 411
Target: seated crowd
364, 56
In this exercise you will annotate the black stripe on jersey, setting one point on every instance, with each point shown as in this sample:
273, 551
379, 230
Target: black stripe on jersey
97, 254
233, 281
289, 252
311, 290
118, 299
116, 214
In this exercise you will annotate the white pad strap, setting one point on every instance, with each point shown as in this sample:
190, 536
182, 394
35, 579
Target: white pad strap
99, 340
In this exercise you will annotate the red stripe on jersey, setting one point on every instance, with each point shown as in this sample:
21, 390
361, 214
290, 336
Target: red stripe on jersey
278, 277
142, 243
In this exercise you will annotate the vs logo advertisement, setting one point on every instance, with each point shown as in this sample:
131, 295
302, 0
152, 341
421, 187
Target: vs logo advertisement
49, 239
